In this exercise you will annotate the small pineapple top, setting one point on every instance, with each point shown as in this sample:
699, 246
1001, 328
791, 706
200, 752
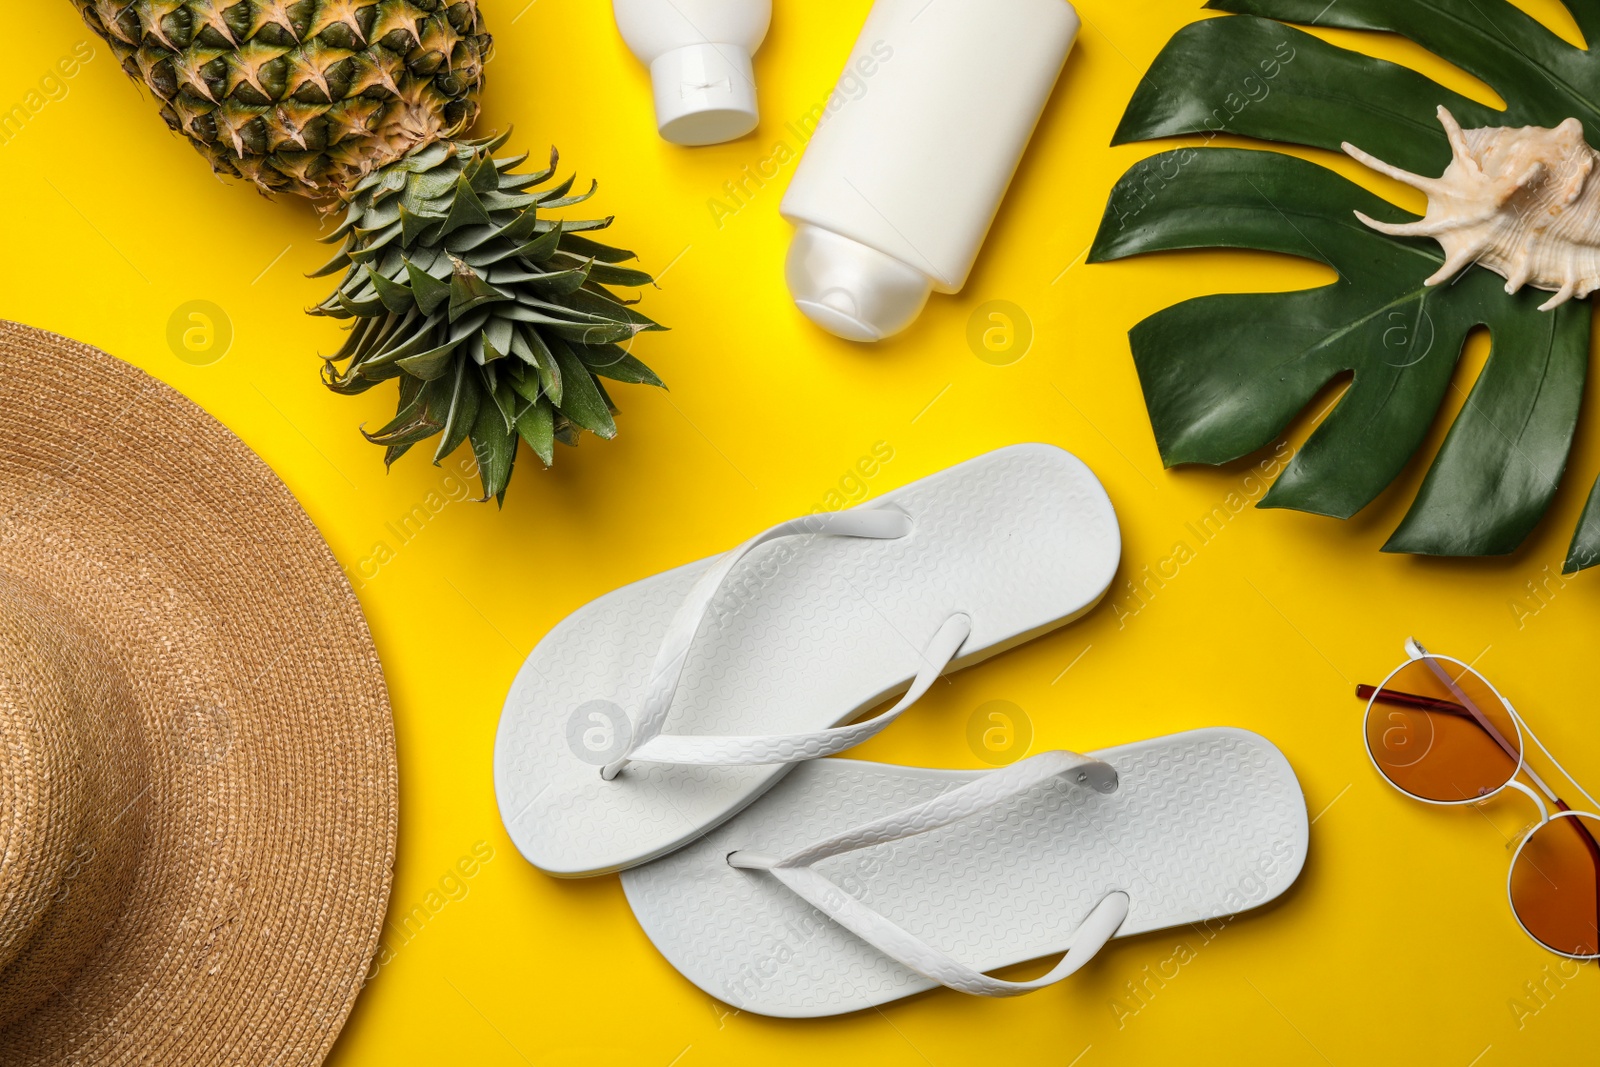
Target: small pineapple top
302, 96
497, 320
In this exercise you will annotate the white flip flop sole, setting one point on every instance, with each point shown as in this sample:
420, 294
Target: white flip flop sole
804, 634
1203, 824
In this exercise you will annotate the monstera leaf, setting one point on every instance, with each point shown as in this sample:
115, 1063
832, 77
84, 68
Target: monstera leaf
1223, 375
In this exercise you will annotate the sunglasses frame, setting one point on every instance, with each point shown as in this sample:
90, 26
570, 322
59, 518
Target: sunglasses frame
1415, 653
1414, 657
1574, 813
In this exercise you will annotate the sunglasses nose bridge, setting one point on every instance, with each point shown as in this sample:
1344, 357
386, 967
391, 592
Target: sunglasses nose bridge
1544, 809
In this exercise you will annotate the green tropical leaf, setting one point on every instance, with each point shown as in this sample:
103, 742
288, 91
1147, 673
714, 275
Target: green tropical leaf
1584, 552
1224, 375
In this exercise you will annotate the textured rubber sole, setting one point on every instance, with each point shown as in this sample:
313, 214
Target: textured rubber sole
1203, 824
806, 634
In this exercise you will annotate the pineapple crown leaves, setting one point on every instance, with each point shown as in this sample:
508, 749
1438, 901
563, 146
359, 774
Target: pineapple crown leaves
498, 322
1223, 375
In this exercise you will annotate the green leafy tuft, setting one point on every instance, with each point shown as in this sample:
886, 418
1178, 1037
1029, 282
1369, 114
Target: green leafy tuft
496, 320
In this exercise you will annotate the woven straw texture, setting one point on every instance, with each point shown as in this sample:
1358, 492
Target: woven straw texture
197, 760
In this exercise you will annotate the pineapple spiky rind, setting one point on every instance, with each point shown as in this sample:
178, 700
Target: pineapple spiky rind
302, 96
498, 322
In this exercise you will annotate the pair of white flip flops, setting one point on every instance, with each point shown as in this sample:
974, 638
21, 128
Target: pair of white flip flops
642, 730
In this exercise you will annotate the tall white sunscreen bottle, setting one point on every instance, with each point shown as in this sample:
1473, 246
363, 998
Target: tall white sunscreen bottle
699, 54
900, 183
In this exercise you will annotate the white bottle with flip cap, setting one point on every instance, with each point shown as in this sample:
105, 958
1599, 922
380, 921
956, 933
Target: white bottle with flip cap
699, 54
898, 187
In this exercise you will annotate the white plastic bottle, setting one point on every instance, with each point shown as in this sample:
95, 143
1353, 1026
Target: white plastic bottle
900, 183
699, 54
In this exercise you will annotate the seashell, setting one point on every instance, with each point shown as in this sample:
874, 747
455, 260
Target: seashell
1517, 200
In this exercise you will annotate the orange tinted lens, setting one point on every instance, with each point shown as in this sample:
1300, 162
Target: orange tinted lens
1555, 884
1445, 739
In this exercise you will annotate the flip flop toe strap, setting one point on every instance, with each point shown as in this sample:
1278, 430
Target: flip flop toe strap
650, 745
797, 873
791, 748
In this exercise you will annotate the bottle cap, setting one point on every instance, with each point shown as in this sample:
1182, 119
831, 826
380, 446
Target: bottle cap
851, 290
705, 94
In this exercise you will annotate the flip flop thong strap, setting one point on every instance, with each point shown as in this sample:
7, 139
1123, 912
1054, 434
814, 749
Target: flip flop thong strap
739, 750
796, 872
873, 523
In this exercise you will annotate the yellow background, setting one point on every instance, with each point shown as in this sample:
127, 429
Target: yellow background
1396, 944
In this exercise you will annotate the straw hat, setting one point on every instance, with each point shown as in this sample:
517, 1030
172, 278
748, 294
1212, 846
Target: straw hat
197, 770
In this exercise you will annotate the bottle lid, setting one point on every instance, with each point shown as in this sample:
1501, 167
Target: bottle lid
705, 94
851, 290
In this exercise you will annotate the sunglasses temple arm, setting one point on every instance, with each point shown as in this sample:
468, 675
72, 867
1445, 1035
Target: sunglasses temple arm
1450, 707
1469, 711
1488, 727
1533, 774
1446, 707
1593, 848
1594, 807
1410, 700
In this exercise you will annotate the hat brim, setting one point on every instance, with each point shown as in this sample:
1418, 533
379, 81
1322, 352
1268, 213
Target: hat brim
268, 822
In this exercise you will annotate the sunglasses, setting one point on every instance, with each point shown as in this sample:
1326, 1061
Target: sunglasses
1441, 733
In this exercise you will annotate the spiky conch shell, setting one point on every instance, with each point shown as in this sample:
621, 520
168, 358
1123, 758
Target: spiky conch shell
497, 322
1517, 200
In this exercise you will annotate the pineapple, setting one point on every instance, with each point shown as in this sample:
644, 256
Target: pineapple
497, 320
